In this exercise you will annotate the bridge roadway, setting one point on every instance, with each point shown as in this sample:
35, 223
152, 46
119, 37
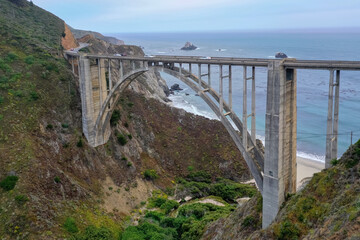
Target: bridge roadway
274, 172
257, 62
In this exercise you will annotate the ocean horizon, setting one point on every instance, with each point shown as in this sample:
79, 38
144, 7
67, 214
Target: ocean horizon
312, 85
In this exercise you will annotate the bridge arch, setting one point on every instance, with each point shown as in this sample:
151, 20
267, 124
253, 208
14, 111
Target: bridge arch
253, 157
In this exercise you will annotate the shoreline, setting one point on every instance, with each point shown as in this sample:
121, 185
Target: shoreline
306, 168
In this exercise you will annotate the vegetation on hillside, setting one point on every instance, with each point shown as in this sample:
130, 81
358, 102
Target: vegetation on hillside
327, 208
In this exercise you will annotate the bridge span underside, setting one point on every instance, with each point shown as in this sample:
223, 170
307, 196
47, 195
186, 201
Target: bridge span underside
103, 78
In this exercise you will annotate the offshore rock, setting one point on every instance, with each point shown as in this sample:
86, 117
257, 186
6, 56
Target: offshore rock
280, 55
189, 46
175, 87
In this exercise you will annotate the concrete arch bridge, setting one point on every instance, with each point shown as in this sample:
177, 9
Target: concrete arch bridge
275, 171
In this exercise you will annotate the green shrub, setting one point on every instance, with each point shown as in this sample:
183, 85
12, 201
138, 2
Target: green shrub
121, 139
29, 60
1, 117
130, 104
12, 57
34, 95
57, 179
1, 100
115, 117
288, 231
70, 225
126, 125
49, 126
150, 174
80, 143
21, 199
129, 136
65, 125
94, 233
9, 183
199, 176
248, 221
169, 205
129, 164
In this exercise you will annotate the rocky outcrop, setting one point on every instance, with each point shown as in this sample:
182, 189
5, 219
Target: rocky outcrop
189, 46
81, 33
68, 40
280, 55
175, 87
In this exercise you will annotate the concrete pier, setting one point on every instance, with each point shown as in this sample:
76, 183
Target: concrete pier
280, 139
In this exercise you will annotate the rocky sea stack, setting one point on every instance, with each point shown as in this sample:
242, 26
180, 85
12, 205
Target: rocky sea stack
280, 55
189, 46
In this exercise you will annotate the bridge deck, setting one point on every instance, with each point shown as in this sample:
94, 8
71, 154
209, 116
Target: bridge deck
257, 62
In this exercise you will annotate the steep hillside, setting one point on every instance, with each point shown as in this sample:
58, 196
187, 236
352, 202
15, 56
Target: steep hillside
327, 208
52, 184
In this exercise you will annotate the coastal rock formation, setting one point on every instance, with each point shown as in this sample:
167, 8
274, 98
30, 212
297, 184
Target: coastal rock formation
176, 87
280, 55
189, 46
68, 40
81, 33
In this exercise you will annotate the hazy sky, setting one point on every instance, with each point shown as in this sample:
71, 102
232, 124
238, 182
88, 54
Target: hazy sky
110, 16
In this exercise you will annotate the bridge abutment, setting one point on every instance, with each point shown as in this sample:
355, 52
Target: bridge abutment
280, 139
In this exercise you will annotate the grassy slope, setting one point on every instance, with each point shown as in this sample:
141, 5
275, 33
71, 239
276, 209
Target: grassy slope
327, 208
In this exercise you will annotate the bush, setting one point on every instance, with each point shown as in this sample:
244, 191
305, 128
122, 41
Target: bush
29, 60
115, 117
92, 233
129, 164
169, 205
124, 158
57, 179
1, 100
12, 57
150, 174
34, 95
21, 199
288, 231
49, 126
65, 125
121, 139
200, 176
249, 220
80, 143
129, 136
70, 225
9, 183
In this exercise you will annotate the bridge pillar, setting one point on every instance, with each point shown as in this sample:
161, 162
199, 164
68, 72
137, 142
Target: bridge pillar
93, 94
280, 139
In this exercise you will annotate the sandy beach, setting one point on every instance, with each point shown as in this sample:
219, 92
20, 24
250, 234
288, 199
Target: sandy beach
307, 167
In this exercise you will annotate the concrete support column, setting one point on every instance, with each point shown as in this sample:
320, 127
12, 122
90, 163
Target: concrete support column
199, 70
253, 107
121, 70
209, 76
230, 87
180, 68
280, 139
332, 119
190, 70
86, 100
244, 135
72, 64
221, 107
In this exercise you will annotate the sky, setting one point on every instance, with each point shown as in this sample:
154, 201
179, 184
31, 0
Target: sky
126, 16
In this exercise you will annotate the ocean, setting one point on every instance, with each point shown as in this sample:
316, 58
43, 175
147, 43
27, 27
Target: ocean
312, 85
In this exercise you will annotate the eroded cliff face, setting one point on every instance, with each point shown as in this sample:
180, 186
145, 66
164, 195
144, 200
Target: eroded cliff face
69, 40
